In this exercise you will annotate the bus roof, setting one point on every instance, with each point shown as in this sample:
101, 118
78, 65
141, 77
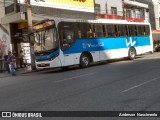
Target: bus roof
110, 21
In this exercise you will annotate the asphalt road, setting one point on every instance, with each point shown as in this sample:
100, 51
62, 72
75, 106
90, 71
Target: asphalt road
120, 85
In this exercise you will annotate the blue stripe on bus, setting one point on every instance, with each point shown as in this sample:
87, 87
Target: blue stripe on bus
47, 57
99, 44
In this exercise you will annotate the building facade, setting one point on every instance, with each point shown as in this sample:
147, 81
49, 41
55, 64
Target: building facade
156, 10
122, 9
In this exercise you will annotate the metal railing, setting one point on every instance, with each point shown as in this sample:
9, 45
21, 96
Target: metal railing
10, 9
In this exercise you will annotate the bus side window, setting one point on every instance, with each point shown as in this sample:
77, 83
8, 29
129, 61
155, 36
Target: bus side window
94, 34
84, 30
122, 30
105, 33
126, 30
143, 30
136, 30
89, 31
117, 32
132, 30
147, 30
140, 30
67, 35
99, 30
110, 29
114, 31
79, 34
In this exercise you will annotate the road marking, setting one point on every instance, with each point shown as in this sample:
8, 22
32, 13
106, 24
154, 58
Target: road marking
74, 77
139, 85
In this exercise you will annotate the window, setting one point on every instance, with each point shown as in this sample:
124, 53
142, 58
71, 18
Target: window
114, 10
128, 13
45, 40
98, 30
122, 30
97, 8
111, 30
117, 32
67, 34
105, 33
84, 30
132, 30
141, 30
147, 29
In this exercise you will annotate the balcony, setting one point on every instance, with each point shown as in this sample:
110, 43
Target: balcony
121, 16
10, 8
108, 16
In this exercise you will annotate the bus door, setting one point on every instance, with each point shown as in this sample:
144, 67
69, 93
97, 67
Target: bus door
66, 44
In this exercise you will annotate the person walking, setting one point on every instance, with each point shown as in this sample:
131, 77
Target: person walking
11, 61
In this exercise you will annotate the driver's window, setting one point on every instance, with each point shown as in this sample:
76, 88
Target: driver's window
67, 35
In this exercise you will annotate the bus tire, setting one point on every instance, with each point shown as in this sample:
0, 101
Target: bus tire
84, 60
132, 53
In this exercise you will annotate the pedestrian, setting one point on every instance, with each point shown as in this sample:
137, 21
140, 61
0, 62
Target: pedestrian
11, 60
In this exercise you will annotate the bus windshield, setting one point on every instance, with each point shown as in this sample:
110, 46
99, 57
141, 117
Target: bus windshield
45, 40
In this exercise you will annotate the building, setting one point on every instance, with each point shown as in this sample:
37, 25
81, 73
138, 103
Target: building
122, 9
156, 16
4, 34
152, 10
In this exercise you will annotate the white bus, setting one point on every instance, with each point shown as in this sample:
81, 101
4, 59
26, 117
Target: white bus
66, 42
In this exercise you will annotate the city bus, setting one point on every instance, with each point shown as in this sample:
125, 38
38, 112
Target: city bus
66, 42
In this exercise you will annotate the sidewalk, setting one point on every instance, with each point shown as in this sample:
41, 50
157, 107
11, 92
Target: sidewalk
18, 71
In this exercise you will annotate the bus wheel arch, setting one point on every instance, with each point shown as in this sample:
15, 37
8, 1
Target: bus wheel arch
132, 53
85, 59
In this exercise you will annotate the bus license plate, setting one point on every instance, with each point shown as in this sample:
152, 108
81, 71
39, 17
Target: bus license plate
43, 64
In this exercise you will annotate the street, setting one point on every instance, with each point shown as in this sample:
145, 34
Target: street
120, 85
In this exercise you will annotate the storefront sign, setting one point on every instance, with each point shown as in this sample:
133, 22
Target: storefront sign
77, 5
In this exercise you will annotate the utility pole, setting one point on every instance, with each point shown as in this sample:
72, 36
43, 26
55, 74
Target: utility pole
123, 6
29, 20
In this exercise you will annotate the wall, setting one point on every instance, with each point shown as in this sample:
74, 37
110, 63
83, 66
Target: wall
4, 42
4, 33
110, 3
1, 9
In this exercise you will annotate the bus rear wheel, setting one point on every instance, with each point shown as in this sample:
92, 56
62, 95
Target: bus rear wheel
131, 53
84, 60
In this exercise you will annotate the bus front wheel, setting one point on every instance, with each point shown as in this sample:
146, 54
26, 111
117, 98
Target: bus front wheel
84, 60
131, 53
